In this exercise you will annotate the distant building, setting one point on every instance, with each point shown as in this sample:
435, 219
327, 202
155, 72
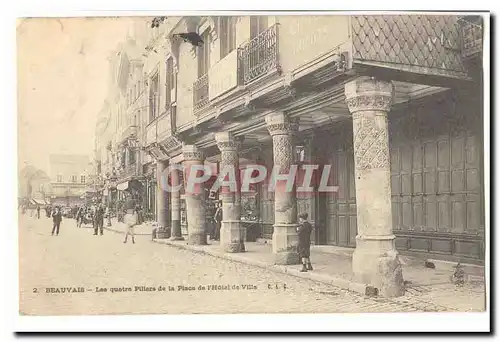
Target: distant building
34, 186
69, 175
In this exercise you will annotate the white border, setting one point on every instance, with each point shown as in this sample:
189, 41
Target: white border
318, 322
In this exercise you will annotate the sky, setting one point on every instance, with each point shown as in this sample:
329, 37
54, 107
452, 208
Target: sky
62, 73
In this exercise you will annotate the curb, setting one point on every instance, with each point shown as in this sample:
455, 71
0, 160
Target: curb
342, 283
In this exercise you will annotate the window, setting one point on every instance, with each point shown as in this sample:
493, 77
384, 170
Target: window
204, 54
73, 179
169, 84
153, 97
257, 25
124, 156
82, 179
227, 35
131, 157
59, 178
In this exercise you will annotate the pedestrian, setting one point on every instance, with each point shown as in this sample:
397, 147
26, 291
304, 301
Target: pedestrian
218, 221
56, 218
38, 211
99, 219
130, 217
79, 216
107, 214
304, 248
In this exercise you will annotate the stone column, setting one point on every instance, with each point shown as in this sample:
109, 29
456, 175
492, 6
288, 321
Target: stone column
375, 260
161, 202
285, 238
232, 235
175, 197
195, 200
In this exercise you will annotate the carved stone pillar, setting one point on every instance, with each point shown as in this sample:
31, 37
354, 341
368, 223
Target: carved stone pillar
175, 198
285, 238
232, 235
375, 260
195, 196
161, 194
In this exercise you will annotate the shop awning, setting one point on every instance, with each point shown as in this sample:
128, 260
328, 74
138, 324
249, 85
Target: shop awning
40, 202
122, 186
32, 201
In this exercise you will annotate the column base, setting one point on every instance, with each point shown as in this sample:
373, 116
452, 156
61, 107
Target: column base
285, 241
199, 239
375, 261
176, 238
232, 237
176, 231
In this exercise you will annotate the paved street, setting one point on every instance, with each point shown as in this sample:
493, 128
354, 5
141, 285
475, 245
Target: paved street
78, 259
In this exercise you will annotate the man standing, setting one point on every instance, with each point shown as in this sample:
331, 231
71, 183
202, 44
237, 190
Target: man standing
130, 217
304, 248
56, 218
38, 211
218, 220
99, 219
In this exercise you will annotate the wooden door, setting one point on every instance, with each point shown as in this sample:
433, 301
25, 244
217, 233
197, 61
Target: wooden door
341, 206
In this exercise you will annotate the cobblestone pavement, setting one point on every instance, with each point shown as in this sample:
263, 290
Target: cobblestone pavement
78, 259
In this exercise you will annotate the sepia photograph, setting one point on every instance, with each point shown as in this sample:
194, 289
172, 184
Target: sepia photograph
268, 163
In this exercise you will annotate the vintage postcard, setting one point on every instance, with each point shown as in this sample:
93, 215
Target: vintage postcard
271, 163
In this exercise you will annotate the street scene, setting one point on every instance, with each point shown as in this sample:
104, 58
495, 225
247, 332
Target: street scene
252, 164
53, 267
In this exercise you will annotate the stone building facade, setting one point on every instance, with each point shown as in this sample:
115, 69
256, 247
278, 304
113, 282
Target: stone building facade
69, 175
393, 104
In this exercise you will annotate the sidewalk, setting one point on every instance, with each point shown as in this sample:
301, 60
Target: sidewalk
426, 288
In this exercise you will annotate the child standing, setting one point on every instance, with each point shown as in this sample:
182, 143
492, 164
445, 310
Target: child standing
304, 248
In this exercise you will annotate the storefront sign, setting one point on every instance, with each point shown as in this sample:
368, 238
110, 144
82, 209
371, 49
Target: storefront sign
223, 76
122, 186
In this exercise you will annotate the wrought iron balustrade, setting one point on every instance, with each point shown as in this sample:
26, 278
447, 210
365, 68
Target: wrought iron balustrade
200, 92
472, 35
260, 55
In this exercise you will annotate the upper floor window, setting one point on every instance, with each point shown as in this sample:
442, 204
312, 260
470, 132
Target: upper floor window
227, 35
73, 179
154, 97
204, 54
59, 178
82, 179
258, 24
131, 157
169, 84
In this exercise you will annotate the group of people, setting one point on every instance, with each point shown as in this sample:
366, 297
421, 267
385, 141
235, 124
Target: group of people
94, 214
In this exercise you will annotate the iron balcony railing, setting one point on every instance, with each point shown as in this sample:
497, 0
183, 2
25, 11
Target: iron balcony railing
200, 92
260, 55
472, 35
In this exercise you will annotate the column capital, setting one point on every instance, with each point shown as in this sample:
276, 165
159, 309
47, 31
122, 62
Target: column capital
191, 152
369, 94
226, 141
280, 124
